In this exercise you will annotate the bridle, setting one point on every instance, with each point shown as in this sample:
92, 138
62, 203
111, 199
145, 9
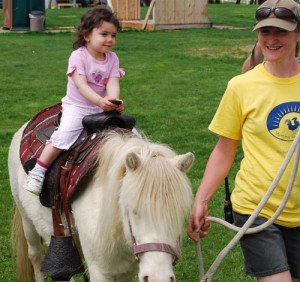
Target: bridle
152, 247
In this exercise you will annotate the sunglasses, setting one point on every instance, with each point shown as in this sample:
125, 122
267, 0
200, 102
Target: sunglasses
280, 12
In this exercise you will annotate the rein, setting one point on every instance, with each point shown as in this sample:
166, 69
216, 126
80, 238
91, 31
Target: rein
295, 148
152, 247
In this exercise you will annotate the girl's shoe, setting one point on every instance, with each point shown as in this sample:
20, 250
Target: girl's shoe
34, 183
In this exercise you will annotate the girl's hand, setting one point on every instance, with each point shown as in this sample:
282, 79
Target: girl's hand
107, 104
120, 108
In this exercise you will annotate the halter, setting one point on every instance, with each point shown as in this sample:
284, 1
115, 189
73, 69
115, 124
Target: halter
152, 247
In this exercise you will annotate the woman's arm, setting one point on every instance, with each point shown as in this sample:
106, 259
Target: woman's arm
217, 168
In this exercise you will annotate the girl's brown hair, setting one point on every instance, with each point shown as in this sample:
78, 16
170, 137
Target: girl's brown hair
91, 19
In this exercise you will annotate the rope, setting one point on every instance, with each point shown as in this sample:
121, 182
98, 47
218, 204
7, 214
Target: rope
199, 257
245, 229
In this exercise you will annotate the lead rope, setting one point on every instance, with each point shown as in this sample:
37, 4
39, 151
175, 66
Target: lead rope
245, 229
199, 257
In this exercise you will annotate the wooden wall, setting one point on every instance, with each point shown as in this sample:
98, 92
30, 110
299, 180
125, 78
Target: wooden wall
185, 13
167, 14
127, 9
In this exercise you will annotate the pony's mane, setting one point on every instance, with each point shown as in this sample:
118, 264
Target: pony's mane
158, 190
161, 193
109, 175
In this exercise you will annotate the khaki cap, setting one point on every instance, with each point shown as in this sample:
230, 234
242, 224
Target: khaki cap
274, 21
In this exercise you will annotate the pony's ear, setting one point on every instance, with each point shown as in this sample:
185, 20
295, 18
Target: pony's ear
133, 161
184, 162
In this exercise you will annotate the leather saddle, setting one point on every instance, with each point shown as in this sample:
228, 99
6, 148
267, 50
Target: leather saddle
65, 178
79, 159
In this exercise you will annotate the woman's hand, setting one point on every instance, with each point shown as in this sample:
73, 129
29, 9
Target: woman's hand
198, 222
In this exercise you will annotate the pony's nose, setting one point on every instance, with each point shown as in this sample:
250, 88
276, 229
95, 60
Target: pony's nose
153, 279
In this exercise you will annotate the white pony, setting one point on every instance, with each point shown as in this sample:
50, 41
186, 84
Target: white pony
140, 193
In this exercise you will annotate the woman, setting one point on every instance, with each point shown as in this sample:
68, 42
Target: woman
261, 108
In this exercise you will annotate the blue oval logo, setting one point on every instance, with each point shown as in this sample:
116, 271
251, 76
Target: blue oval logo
283, 121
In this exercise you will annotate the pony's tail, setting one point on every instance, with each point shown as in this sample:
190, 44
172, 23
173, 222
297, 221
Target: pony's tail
25, 271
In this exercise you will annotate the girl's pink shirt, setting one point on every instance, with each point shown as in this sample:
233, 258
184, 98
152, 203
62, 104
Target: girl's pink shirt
96, 72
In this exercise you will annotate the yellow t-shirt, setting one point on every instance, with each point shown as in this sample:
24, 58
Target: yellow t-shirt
264, 112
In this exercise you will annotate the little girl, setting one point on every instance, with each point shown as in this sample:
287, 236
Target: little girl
93, 82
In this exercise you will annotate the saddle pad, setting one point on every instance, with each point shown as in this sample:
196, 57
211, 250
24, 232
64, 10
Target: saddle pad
31, 145
83, 165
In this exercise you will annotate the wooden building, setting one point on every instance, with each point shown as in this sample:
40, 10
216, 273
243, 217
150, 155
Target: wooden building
166, 14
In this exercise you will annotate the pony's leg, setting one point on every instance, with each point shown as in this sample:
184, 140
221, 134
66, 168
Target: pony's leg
125, 278
96, 276
35, 249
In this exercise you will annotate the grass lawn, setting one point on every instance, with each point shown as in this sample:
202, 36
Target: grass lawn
173, 84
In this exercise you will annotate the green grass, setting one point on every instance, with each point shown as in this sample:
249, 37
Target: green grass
173, 84
231, 14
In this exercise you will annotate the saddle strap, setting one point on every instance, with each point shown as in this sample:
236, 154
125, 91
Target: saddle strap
65, 171
62, 193
58, 228
61, 197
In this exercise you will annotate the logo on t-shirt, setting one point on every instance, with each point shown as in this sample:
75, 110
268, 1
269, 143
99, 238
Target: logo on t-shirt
283, 121
100, 77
